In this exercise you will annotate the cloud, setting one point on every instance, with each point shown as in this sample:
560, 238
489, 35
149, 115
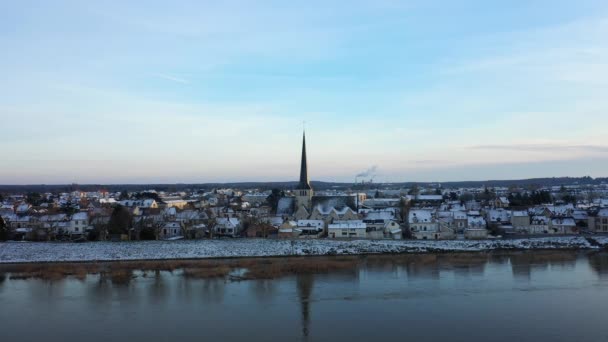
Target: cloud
172, 78
543, 148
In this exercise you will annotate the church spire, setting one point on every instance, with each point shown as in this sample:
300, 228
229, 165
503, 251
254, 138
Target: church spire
304, 183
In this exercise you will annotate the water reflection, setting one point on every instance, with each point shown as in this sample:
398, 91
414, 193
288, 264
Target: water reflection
305, 284
379, 286
524, 264
599, 263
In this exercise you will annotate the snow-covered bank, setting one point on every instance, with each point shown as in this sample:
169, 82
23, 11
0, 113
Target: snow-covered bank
600, 240
157, 250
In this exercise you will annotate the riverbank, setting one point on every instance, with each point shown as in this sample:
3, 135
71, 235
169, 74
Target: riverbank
243, 269
17, 252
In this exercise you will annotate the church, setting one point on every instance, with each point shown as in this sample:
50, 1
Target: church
305, 205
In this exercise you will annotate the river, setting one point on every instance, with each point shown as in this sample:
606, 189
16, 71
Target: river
498, 296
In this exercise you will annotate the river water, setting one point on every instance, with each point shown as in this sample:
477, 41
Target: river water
516, 296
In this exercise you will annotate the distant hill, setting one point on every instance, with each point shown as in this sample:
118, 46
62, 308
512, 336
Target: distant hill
318, 185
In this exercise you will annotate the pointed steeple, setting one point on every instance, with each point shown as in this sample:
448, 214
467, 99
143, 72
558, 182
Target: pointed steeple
304, 183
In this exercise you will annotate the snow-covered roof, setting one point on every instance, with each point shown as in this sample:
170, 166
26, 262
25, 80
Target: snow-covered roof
172, 225
285, 206
519, 213
310, 223
380, 215
80, 216
420, 215
52, 218
275, 220
429, 198
23, 208
580, 215
540, 220
499, 215
476, 222
459, 215
564, 209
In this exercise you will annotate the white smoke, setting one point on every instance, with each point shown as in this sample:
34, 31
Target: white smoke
371, 172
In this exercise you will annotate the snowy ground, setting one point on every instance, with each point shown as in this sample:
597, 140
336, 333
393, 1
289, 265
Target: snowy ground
155, 250
602, 240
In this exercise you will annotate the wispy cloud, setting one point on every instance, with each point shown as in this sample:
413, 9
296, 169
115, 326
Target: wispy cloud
172, 78
543, 148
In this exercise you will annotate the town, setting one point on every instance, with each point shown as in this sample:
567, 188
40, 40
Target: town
360, 211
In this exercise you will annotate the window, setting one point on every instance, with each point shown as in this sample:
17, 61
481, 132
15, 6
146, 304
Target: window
76, 229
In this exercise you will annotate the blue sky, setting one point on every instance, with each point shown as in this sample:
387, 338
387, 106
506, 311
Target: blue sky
206, 91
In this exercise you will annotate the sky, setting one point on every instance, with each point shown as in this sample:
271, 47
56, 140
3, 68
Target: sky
217, 91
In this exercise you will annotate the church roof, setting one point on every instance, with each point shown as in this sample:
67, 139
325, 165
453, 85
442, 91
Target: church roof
285, 206
304, 182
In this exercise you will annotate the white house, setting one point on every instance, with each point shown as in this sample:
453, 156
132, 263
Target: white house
476, 227
563, 225
423, 224
393, 230
520, 220
346, 229
539, 224
170, 230
227, 226
78, 224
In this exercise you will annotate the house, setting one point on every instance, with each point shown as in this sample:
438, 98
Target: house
380, 203
377, 221
498, 217
23, 209
287, 230
197, 231
461, 220
501, 202
563, 225
539, 224
429, 198
170, 230
227, 226
255, 198
144, 203
520, 220
347, 229
174, 203
6, 209
476, 228
392, 230
598, 221
581, 217
423, 224
310, 228
261, 230
78, 223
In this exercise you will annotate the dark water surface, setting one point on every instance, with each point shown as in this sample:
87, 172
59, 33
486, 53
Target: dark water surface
518, 296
